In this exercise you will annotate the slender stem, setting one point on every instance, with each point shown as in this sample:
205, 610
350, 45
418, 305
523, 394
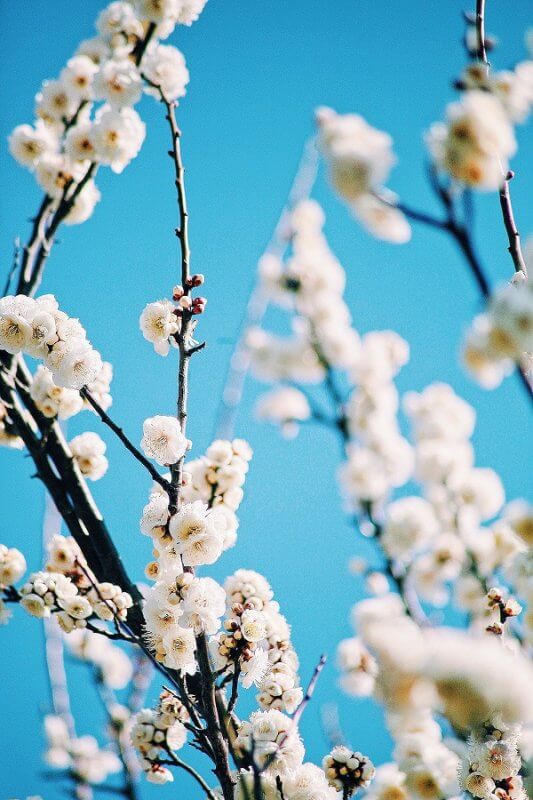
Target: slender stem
464, 241
513, 235
210, 712
257, 303
309, 691
106, 419
234, 688
129, 789
505, 195
480, 32
15, 265
177, 762
296, 717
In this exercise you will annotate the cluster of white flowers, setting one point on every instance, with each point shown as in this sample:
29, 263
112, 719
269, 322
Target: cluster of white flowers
63, 588
113, 664
58, 401
88, 452
176, 608
445, 535
238, 646
206, 523
82, 755
305, 782
46, 593
156, 732
256, 641
513, 88
161, 322
274, 741
40, 329
476, 142
379, 458
12, 566
493, 763
360, 159
85, 117
347, 771
7, 436
419, 673
503, 335
310, 284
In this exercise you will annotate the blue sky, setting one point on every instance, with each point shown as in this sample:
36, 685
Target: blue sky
258, 71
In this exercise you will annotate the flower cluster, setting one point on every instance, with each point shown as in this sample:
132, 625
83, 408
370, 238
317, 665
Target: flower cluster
12, 566
39, 328
360, 159
64, 588
347, 771
46, 593
80, 755
86, 117
379, 458
503, 335
256, 642
513, 88
8, 438
217, 479
305, 782
206, 523
476, 142
493, 763
158, 732
161, 322
88, 452
58, 401
113, 665
176, 608
420, 673
273, 740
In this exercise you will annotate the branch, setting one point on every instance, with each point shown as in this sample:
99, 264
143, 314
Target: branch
87, 525
309, 691
480, 32
513, 235
210, 713
106, 419
177, 762
15, 265
257, 303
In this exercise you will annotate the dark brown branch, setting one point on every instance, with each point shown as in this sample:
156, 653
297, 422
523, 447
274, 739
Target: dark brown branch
210, 713
15, 265
106, 419
93, 536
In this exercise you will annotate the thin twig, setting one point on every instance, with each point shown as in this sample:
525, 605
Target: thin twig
257, 303
15, 265
513, 235
106, 419
480, 33
173, 760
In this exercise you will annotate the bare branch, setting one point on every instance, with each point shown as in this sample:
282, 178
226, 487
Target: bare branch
106, 419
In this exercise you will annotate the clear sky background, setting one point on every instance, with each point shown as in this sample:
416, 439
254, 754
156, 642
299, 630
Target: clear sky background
258, 70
